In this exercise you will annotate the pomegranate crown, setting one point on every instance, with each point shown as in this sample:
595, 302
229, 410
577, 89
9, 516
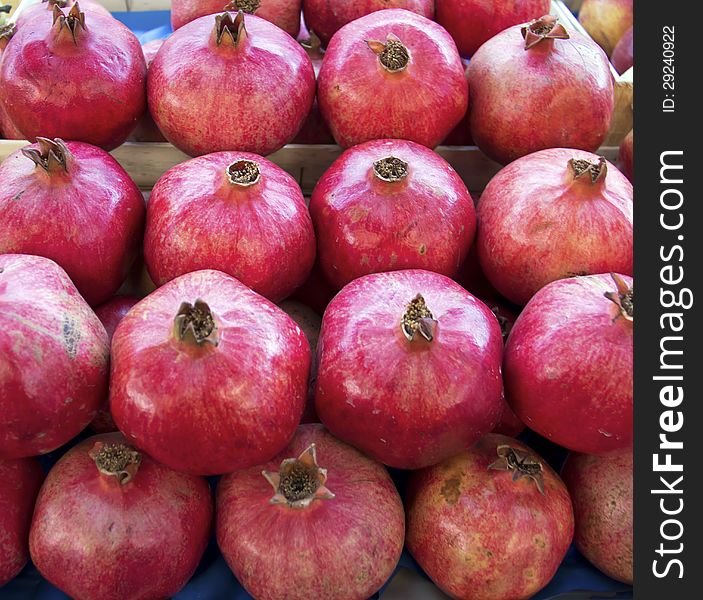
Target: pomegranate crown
392, 54
230, 30
195, 324
418, 320
74, 21
521, 463
247, 6
116, 460
52, 155
544, 28
623, 298
586, 169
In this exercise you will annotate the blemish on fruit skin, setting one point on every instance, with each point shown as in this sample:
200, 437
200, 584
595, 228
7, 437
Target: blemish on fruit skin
539, 541
451, 490
422, 250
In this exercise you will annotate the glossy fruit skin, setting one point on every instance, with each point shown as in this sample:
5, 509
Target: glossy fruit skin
538, 223
606, 20
360, 100
96, 539
282, 13
406, 403
20, 480
364, 224
98, 235
601, 490
473, 22
146, 130
623, 54
48, 8
270, 80
478, 534
54, 380
625, 156
198, 219
330, 560
222, 407
568, 366
557, 94
96, 96
326, 17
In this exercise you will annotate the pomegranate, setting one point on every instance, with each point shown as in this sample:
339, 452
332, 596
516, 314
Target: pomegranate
20, 480
606, 20
553, 214
625, 156
326, 17
113, 523
539, 86
392, 74
235, 212
146, 130
334, 522
601, 490
269, 85
237, 369
101, 212
53, 357
46, 7
388, 205
110, 314
568, 363
623, 55
77, 76
491, 523
408, 368
283, 13
473, 22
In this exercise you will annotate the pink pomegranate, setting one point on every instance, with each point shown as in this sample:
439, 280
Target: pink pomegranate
326, 17
283, 13
568, 363
100, 209
623, 55
258, 106
113, 523
80, 95
146, 130
47, 7
53, 357
316, 498
601, 490
473, 22
208, 376
392, 74
389, 205
554, 214
491, 523
20, 480
606, 20
408, 368
625, 156
539, 86
235, 212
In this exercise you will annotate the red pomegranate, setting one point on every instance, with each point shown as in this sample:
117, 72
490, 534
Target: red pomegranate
625, 156
389, 205
568, 363
601, 490
112, 523
100, 209
57, 81
326, 17
606, 20
53, 357
110, 314
408, 368
235, 212
208, 376
392, 74
623, 55
146, 130
283, 13
554, 214
539, 86
473, 22
491, 523
334, 522
258, 107
20, 480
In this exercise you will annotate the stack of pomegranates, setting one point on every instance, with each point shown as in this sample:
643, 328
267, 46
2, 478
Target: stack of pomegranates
298, 349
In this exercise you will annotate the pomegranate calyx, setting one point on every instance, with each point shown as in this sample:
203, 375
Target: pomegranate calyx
521, 463
595, 171
6, 33
544, 28
243, 173
392, 54
52, 155
417, 318
623, 298
247, 6
194, 323
299, 481
390, 169
228, 30
116, 460
74, 21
